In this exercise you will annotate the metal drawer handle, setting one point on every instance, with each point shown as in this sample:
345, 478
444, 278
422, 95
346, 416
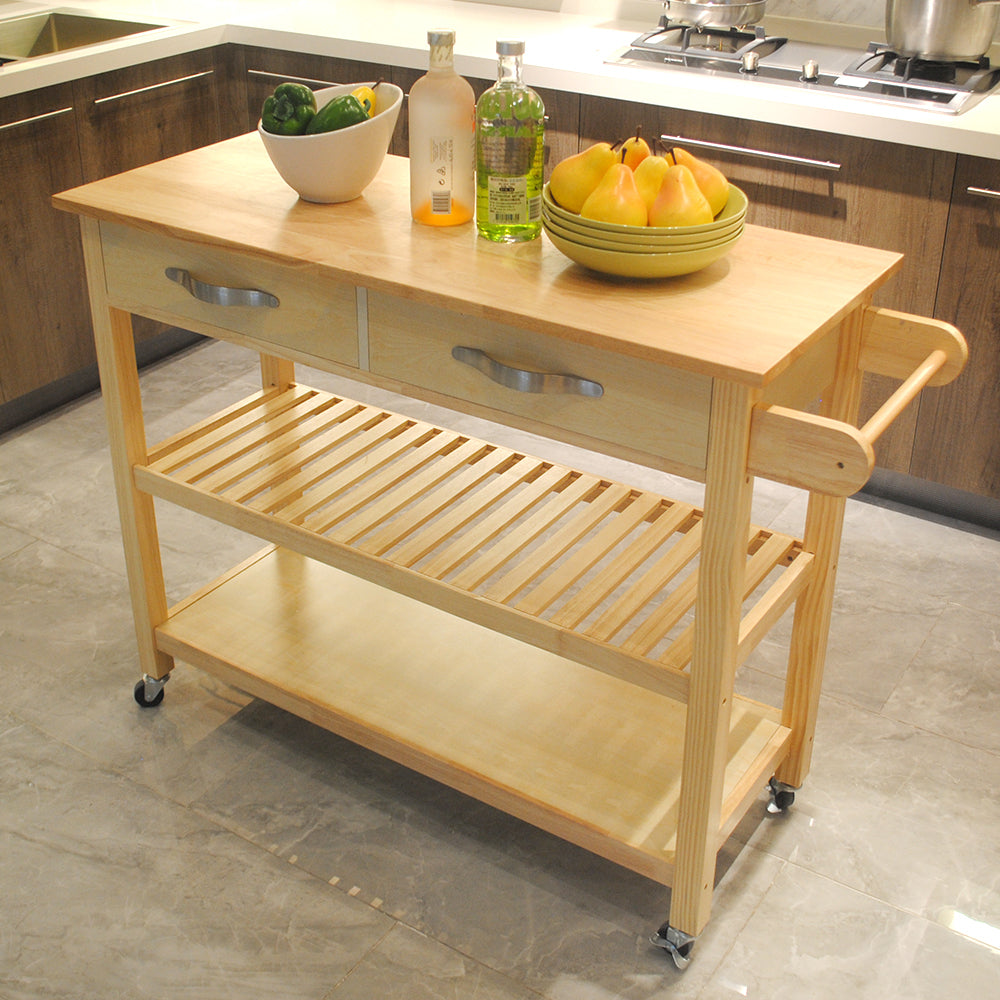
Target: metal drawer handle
764, 154
153, 86
35, 118
221, 295
983, 192
310, 82
525, 381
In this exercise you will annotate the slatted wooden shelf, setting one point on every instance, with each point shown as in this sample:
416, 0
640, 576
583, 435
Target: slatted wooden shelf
593, 570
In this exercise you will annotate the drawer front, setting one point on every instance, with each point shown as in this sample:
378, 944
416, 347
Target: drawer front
315, 318
645, 408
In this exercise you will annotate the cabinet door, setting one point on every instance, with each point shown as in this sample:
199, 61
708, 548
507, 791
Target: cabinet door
44, 316
134, 116
140, 114
838, 187
958, 430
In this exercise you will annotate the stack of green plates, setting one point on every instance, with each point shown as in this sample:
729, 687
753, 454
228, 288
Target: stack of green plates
643, 251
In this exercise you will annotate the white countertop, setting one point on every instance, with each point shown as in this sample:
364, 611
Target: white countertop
563, 52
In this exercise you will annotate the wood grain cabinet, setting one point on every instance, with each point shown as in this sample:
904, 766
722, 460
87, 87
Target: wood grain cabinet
55, 139
44, 330
143, 113
958, 431
838, 187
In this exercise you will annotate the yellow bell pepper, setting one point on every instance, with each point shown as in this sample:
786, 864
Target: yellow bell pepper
366, 98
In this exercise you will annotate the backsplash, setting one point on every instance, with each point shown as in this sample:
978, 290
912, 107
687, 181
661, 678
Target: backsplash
863, 12
869, 13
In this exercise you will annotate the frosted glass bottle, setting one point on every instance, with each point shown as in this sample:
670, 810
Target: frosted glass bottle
442, 115
510, 151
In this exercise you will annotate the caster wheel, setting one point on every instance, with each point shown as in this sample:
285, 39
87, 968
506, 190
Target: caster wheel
782, 796
677, 943
148, 692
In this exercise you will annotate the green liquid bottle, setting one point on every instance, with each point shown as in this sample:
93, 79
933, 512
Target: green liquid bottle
510, 153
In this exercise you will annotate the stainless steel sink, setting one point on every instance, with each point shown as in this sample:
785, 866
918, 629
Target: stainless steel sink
55, 31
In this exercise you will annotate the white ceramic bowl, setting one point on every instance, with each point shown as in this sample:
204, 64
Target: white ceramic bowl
336, 166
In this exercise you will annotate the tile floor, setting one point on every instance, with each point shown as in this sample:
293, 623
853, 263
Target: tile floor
217, 847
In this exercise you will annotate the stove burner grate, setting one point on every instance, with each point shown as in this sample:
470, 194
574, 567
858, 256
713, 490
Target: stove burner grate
678, 38
882, 63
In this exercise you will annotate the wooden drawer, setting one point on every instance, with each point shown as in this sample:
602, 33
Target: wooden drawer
645, 409
313, 318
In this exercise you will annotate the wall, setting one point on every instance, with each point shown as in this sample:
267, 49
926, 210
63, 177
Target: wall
870, 13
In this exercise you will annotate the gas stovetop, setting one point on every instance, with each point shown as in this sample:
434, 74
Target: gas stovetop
753, 55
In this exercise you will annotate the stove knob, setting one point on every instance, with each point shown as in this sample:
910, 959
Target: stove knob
810, 70
749, 61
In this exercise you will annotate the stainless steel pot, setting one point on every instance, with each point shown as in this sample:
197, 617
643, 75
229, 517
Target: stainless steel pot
717, 13
944, 30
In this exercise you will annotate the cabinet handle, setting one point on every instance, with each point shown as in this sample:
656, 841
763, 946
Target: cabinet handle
152, 86
308, 81
526, 381
221, 295
35, 118
983, 192
764, 154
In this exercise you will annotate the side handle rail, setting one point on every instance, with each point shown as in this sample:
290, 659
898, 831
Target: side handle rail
833, 457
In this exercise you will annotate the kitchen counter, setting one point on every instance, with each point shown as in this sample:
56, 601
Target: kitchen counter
564, 52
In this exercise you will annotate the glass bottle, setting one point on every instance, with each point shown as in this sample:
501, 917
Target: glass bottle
442, 117
510, 151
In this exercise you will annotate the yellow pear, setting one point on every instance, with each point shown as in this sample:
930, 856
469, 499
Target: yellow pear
573, 179
616, 198
680, 201
649, 177
635, 149
711, 180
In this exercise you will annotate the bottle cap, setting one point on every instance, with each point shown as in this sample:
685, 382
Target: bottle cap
440, 37
509, 48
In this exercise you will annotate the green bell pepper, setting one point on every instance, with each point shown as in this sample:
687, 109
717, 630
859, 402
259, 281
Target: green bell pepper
337, 114
289, 109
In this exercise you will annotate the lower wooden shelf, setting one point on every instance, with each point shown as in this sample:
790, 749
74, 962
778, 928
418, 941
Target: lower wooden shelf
586, 756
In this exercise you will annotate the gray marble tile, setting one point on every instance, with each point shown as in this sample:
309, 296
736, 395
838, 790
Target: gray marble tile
876, 630
887, 810
110, 890
935, 559
816, 938
11, 540
69, 659
952, 687
407, 965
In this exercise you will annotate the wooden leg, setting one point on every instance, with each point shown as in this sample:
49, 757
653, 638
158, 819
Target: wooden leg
728, 497
276, 372
127, 439
811, 623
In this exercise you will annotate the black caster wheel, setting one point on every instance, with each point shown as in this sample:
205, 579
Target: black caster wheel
148, 692
782, 796
677, 943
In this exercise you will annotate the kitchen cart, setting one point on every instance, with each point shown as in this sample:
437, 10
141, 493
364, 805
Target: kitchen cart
555, 643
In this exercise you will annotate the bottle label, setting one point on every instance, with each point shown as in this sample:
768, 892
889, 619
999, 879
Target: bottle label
442, 167
511, 202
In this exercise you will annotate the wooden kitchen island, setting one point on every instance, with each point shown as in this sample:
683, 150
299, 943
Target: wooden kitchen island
552, 642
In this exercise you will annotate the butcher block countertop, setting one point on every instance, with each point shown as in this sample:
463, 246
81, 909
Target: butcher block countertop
745, 318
